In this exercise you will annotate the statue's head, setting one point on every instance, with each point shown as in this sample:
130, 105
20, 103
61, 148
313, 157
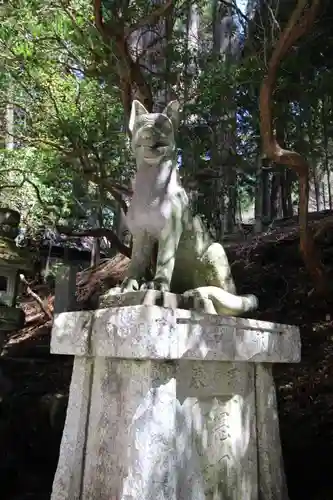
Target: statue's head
153, 134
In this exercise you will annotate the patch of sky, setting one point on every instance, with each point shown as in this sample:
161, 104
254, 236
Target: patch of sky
78, 73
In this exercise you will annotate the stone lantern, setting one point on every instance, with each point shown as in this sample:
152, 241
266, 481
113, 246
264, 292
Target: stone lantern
12, 260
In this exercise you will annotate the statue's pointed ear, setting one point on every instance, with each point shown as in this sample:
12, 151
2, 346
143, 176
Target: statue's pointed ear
137, 110
172, 110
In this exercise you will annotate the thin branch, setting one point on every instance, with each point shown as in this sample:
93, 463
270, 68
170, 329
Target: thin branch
44, 204
115, 189
150, 45
129, 71
274, 20
38, 140
98, 16
36, 297
152, 18
238, 11
290, 35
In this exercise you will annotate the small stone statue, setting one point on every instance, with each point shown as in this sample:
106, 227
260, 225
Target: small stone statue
188, 261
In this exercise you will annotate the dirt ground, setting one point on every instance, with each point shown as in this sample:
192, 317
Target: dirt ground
33, 411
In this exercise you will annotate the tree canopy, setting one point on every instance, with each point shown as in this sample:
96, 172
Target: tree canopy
71, 69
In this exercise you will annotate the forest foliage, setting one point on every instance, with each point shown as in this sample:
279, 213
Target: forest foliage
71, 68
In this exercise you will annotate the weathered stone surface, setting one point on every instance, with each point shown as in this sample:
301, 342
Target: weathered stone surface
9, 217
151, 332
272, 482
71, 333
11, 318
9, 275
68, 477
65, 285
161, 408
113, 298
13, 256
217, 433
160, 213
171, 431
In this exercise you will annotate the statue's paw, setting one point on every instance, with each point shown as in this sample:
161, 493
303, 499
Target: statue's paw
155, 285
252, 302
129, 285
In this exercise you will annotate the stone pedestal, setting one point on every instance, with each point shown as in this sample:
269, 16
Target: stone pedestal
171, 404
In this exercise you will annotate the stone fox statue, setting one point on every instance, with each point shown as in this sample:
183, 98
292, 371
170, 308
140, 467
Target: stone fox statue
187, 259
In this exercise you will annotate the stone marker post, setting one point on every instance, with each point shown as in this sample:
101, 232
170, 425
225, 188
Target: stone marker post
65, 287
170, 404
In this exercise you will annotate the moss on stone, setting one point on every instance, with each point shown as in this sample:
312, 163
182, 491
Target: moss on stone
11, 318
11, 255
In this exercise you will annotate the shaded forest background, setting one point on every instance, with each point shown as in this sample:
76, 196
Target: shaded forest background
71, 69
255, 153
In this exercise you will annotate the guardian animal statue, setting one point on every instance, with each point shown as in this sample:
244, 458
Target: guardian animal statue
188, 261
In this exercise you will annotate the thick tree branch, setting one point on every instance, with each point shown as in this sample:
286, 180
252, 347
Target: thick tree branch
98, 16
132, 79
299, 23
295, 28
19, 185
98, 233
38, 140
34, 295
114, 188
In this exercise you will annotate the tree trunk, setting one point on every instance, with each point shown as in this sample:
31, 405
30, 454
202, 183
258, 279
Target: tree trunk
298, 24
189, 160
314, 181
287, 185
326, 162
275, 198
10, 125
226, 51
261, 197
282, 202
132, 81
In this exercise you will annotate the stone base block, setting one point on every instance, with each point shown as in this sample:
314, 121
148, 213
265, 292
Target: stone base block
171, 405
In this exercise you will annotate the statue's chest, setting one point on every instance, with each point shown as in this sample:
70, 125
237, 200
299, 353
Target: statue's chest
149, 187
152, 201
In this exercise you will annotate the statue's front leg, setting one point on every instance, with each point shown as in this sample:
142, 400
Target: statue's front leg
166, 255
140, 259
